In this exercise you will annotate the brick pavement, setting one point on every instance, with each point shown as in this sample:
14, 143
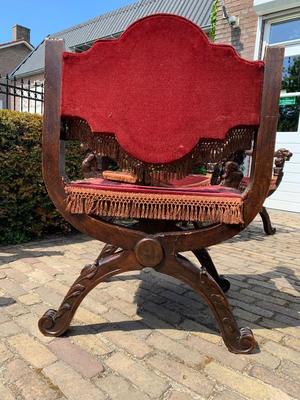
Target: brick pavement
146, 336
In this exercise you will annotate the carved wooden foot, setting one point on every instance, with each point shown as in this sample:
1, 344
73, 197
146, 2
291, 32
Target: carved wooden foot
205, 260
56, 322
269, 230
237, 340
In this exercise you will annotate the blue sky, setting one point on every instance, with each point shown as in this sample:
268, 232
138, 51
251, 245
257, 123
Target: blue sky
46, 17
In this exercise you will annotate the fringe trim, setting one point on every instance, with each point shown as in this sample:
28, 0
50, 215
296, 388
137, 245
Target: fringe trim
206, 151
154, 206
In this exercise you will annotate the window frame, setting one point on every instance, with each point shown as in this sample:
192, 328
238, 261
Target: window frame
289, 45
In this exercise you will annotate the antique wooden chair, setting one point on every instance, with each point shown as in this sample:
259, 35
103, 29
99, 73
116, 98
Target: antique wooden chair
157, 100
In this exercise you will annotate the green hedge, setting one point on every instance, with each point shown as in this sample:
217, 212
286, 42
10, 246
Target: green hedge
26, 211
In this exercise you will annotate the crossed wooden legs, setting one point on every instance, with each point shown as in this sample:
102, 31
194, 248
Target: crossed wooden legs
112, 262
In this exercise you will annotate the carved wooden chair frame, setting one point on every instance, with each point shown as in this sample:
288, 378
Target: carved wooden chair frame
234, 178
159, 244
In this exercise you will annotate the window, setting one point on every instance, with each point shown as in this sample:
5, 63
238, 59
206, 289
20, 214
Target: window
287, 32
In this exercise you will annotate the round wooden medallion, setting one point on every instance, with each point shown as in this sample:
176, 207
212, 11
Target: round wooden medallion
149, 252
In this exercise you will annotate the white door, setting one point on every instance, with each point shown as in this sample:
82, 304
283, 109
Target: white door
287, 32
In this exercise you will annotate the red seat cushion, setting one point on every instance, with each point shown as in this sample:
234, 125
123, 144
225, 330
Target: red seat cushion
177, 202
161, 88
186, 185
245, 181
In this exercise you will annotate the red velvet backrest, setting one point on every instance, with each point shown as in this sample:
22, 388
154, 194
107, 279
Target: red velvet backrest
161, 87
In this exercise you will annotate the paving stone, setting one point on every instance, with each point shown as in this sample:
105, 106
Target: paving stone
15, 370
121, 322
280, 309
9, 328
219, 353
16, 275
138, 374
70, 382
182, 374
40, 276
261, 296
29, 299
29, 324
248, 316
162, 329
289, 369
163, 313
32, 386
89, 317
292, 342
5, 354
12, 288
49, 296
78, 358
5, 393
128, 309
30, 285
119, 389
178, 350
92, 343
228, 395
93, 305
273, 379
16, 309
3, 275
264, 358
266, 333
243, 384
129, 342
200, 330
32, 351
252, 308
289, 330
283, 352
180, 396
29, 383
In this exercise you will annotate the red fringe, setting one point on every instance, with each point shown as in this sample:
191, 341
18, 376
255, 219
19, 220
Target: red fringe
154, 206
207, 151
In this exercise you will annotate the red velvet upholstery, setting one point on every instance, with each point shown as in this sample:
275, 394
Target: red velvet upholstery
177, 188
161, 87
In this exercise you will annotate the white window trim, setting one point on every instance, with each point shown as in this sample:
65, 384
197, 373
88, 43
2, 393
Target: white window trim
273, 20
263, 7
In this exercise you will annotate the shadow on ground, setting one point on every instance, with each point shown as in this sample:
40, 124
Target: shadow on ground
6, 301
162, 308
39, 248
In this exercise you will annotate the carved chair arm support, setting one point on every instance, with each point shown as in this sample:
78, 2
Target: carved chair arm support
263, 151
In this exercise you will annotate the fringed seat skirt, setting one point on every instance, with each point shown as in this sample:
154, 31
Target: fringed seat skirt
183, 200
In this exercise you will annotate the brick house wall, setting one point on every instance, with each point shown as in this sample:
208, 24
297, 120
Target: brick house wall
11, 56
242, 38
